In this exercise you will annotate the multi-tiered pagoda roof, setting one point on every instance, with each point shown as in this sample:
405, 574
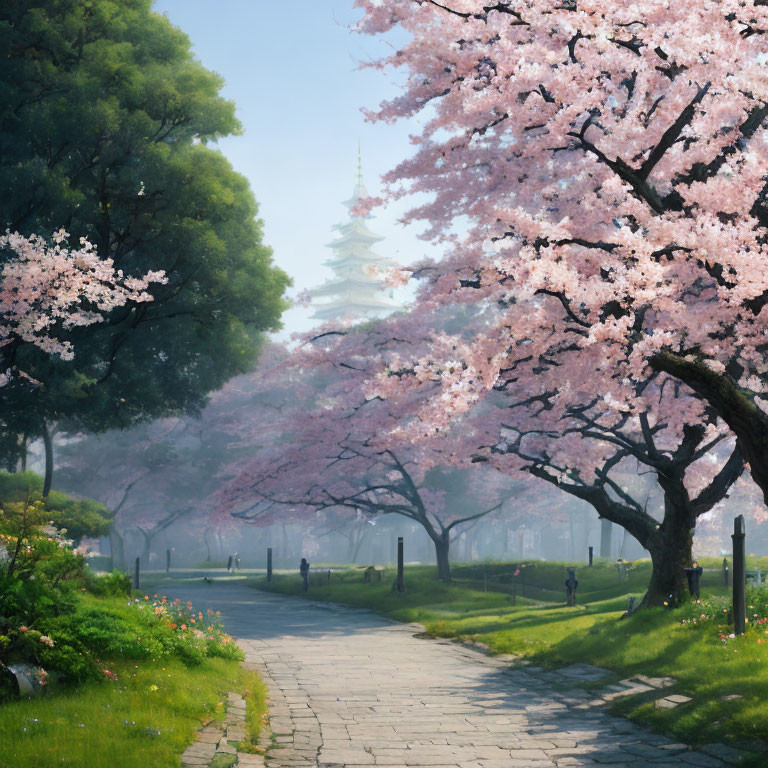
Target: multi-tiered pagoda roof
358, 288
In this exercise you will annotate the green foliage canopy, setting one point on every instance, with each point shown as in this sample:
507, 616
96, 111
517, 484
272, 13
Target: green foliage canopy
105, 123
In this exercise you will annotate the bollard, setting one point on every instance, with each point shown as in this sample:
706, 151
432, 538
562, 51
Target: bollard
739, 576
570, 587
399, 583
136, 581
269, 563
591, 555
167, 560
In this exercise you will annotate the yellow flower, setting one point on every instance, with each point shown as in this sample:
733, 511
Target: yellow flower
153, 687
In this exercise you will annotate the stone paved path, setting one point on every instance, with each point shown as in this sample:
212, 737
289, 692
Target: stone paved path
351, 689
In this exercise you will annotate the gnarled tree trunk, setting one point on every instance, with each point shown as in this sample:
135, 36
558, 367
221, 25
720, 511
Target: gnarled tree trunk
671, 552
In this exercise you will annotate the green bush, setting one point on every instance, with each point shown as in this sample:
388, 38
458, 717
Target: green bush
58, 615
79, 518
114, 584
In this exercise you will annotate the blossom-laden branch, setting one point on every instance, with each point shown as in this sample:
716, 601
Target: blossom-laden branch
47, 289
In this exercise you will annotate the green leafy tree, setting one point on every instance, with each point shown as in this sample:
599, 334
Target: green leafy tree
80, 518
105, 124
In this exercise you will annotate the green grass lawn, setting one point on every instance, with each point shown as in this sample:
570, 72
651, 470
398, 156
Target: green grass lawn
147, 717
156, 690
526, 615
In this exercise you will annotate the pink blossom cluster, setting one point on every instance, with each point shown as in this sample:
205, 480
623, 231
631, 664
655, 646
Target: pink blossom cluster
47, 289
610, 160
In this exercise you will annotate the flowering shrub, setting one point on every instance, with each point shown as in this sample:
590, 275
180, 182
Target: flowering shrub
51, 619
717, 613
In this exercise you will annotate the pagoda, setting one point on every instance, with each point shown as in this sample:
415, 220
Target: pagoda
358, 289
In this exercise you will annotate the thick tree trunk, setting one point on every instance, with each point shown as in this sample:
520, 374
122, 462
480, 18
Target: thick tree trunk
48, 443
442, 547
671, 552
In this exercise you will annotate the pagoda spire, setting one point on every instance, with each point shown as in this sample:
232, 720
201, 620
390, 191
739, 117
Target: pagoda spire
359, 166
358, 289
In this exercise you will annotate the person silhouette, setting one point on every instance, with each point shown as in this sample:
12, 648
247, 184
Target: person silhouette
693, 575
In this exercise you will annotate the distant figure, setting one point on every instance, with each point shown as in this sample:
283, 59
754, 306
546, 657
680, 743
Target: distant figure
694, 574
304, 571
570, 588
237, 562
229, 564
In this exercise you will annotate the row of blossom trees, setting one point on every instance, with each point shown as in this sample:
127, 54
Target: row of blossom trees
610, 161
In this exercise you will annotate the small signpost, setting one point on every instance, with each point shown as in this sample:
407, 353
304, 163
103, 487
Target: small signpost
136, 573
739, 576
269, 563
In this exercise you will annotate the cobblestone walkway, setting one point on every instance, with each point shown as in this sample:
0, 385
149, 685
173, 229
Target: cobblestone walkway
350, 689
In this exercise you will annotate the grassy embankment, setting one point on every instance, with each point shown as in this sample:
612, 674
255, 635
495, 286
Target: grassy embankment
526, 615
145, 712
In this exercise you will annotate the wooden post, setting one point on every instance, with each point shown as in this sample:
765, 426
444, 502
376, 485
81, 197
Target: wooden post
591, 555
136, 581
739, 576
167, 560
399, 584
269, 563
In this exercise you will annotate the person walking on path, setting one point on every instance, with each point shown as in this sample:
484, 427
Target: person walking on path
304, 571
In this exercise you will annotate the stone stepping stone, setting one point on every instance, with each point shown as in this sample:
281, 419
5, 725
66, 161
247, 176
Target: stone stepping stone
670, 702
585, 672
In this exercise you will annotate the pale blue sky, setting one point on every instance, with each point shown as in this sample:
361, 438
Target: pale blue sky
291, 68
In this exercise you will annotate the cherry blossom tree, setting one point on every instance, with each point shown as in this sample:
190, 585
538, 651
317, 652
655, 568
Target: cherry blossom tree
47, 289
608, 160
323, 452
538, 420
593, 456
